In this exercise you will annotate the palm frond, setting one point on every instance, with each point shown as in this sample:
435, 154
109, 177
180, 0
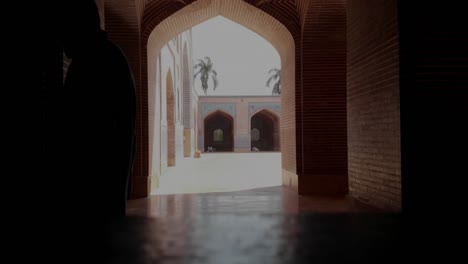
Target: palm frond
206, 70
200, 64
200, 71
276, 70
276, 76
269, 80
215, 81
276, 89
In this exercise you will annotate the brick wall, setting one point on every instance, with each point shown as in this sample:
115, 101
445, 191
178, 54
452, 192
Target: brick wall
373, 103
323, 100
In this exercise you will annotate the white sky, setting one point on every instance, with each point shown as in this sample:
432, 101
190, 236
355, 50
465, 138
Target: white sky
241, 57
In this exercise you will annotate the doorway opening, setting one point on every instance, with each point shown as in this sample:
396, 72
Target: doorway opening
219, 127
264, 127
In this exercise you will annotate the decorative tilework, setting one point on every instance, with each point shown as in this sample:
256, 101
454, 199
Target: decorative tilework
254, 107
208, 108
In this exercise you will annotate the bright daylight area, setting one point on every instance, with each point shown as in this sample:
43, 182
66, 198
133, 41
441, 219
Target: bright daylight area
227, 136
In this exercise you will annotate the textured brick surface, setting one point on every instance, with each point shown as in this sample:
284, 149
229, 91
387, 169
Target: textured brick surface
323, 162
310, 37
373, 103
158, 27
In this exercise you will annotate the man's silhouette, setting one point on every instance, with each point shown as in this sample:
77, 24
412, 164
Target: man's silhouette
96, 116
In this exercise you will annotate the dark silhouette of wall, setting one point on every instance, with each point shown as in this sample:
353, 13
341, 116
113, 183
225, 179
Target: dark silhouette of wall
434, 105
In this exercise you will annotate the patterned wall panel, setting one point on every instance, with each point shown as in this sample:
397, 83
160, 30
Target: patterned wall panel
207, 108
254, 107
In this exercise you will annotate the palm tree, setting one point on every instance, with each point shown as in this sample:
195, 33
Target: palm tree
275, 76
206, 70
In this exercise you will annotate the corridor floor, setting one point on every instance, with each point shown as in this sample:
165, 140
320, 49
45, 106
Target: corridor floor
268, 200
265, 225
262, 225
256, 225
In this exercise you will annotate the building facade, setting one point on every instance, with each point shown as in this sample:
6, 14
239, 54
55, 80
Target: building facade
239, 123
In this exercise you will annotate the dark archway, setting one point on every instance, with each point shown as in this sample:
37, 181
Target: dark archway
264, 131
219, 130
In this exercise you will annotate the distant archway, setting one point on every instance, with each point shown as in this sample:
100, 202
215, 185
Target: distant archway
219, 131
170, 101
264, 127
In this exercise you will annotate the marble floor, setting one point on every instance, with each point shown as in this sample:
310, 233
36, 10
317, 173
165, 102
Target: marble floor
268, 200
244, 224
229, 221
261, 225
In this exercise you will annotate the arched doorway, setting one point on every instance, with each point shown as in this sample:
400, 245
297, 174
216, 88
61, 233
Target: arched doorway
158, 29
170, 102
264, 131
297, 29
218, 132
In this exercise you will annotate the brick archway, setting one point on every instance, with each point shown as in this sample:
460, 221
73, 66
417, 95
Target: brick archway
310, 36
158, 28
314, 114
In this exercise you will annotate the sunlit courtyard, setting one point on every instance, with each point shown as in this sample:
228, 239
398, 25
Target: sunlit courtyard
218, 172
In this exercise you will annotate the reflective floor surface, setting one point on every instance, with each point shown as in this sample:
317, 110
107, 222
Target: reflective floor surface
266, 225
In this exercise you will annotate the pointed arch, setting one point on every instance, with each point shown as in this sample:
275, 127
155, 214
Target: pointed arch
281, 29
223, 123
267, 124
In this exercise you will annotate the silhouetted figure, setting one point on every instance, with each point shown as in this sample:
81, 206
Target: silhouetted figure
97, 110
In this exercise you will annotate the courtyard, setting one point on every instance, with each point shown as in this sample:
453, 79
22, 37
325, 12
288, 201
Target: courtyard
222, 172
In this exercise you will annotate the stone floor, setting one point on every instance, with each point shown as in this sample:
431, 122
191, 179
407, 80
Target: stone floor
263, 225
230, 223
247, 226
269, 200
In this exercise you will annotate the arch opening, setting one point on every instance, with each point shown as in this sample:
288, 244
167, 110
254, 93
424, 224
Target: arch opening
156, 36
265, 135
219, 132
